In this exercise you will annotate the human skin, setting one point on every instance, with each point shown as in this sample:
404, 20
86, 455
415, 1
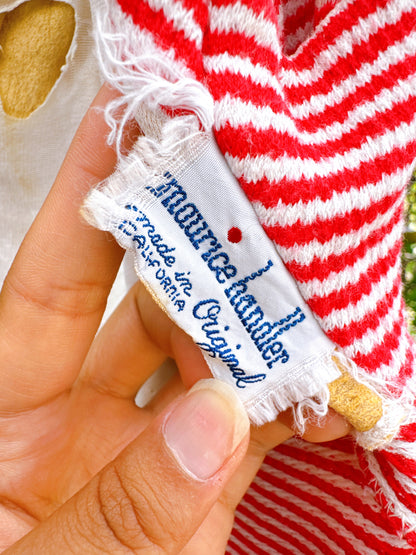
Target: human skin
82, 468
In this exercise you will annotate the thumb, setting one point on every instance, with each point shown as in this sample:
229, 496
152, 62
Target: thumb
155, 495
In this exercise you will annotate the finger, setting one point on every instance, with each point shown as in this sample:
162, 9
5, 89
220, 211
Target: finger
56, 290
133, 343
317, 428
123, 354
155, 495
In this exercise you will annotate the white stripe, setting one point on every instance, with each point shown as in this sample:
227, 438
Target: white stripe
238, 18
294, 40
183, 19
406, 482
351, 274
363, 494
235, 64
308, 526
339, 244
320, 102
404, 449
338, 318
253, 169
237, 112
246, 550
327, 476
340, 203
373, 338
327, 453
346, 41
319, 4
290, 8
275, 537
388, 372
259, 543
316, 511
396, 506
394, 54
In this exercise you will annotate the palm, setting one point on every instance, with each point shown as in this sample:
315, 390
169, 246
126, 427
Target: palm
59, 445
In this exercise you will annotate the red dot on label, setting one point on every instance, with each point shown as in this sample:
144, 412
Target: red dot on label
234, 235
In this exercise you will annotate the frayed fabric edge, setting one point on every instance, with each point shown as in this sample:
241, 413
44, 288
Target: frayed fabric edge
308, 390
131, 63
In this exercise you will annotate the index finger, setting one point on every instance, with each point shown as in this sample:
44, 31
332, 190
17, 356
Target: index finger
55, 293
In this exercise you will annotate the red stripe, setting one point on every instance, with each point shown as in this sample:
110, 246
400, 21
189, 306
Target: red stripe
336, 468
344, 497
234, 546
227, 83
199, 10
371, 482
164, 33
408, 433
363, 52
407, 369
321, 268
302, 17
339, 468
353, 292
344, 445
249, 537
402, 495
323, 11
305, 189
382, 353
388, 79
326, 35
255, 513
406, 466
325, 230
287, 523
242, 139
345, 336
238, 44
298, 510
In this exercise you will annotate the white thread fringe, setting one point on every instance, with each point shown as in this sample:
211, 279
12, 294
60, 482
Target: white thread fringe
144, 163
132, 63
307, 395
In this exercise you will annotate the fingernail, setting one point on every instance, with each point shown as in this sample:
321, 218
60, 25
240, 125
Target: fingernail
205, 428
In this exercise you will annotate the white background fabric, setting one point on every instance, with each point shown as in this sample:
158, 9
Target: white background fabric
32, 149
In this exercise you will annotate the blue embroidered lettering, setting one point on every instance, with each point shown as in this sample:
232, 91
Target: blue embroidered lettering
128, 228
208, 310
262, 332
156, 239
184, 283
185, 213
194, 233
283, 357
178, 192
228, 270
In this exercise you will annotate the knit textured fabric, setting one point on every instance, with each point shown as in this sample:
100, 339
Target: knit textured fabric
314, 111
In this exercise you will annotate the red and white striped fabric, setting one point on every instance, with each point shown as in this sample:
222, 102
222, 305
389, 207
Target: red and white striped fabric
315, 113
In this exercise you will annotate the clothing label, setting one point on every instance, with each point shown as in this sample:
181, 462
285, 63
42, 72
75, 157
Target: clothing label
199, 247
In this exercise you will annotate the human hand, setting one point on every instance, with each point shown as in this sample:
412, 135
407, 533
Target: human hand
82, 468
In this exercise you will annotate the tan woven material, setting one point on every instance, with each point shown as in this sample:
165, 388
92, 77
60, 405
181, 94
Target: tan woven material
35, 38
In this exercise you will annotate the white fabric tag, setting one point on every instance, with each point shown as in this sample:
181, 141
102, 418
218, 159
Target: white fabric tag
199, 247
